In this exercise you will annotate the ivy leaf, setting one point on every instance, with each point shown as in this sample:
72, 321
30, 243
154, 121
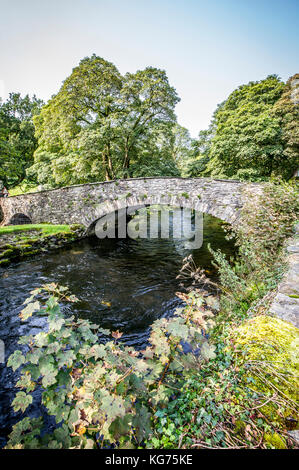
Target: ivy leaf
54, 347
15, 360
121, 426
116, 334
34, 293
34, 357
63, 436
21, 401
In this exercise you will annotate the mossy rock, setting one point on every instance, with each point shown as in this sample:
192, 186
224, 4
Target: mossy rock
275, 441
8, 246
4, 262
24, 246
30, 253
6, 253
75, 227
270, 350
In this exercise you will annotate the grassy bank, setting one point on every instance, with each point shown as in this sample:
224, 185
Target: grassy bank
22, 241
43, 229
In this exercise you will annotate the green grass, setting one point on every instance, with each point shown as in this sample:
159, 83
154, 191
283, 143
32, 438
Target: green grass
45, 229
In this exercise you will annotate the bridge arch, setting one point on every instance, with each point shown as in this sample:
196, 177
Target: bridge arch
19, 219
85, 203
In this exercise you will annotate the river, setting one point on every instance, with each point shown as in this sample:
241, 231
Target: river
121, 284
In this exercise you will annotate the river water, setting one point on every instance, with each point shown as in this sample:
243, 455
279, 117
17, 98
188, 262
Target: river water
137, 278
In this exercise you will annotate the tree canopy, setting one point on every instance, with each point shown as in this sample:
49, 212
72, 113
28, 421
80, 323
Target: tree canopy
105, 125
247, 135
286, 109
17, 140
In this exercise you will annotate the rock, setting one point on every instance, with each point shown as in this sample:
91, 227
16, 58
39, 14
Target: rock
286, 303
295, 436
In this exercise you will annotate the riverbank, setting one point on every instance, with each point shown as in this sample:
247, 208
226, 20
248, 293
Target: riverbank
234, 385
22, 241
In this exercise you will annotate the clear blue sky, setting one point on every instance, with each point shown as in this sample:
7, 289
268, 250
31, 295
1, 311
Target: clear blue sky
207, 48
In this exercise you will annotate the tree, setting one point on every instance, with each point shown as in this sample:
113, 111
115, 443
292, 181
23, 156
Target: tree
287, 111
247, 134
17, 140
200, 154
99, 123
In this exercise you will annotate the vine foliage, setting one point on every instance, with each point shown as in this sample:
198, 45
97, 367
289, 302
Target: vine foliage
101, 392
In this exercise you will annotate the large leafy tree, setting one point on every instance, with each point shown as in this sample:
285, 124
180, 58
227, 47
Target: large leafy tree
100, 122
287, 110
247, 138
17, 140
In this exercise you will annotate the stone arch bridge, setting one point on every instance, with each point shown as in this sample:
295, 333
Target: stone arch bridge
86, 203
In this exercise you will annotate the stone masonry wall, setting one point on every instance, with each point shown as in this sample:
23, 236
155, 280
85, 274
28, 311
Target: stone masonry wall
84, 204
286, 301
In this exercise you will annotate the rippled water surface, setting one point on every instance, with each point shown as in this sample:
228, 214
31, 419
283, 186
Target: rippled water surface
137, 277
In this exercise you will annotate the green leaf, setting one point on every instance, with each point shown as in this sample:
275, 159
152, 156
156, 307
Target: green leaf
15, 360
207, 351
29, 310
49, 378
21, 401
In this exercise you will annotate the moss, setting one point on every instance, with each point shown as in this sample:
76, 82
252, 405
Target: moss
8, 246
6, 253
276, 441
270, 349
185, 195
3, 262
30, 253
23, 246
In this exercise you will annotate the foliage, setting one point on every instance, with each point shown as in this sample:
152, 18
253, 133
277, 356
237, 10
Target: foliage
101, 393
287, 110
267, 219
198, 161
226, 402
247, 135
253, 134
101, 123
270, 349
17, 140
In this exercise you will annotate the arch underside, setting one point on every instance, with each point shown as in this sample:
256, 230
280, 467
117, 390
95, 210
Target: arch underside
19, 219
225, 213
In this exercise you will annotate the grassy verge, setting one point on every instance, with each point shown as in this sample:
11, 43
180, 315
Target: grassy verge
20, 241
44, 229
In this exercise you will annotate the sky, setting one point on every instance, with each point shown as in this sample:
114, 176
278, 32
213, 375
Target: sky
208, 48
